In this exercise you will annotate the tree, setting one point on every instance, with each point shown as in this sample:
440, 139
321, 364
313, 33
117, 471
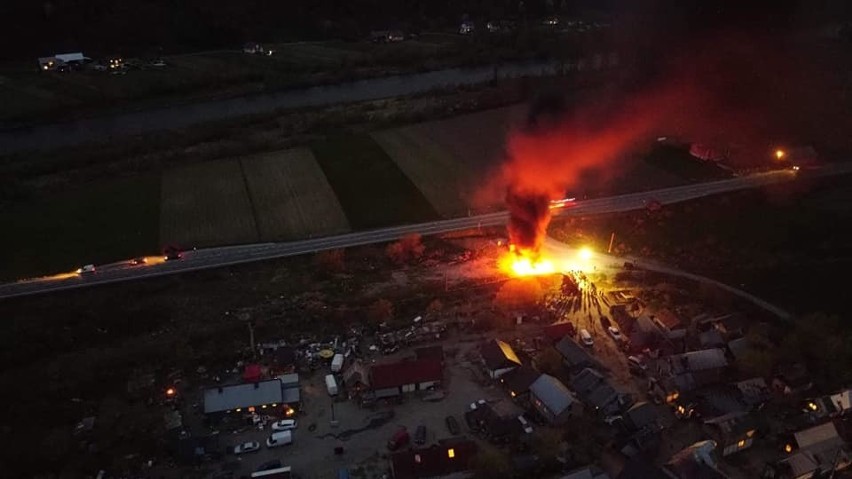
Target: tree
408, 249
549, 362
380, 311
547, 444
489, 463
331, 261
517, 294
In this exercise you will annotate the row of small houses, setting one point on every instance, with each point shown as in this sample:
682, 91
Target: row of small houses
696, 385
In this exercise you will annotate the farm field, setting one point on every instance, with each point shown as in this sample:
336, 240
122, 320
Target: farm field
101, 222
372, 189
431, 168
291, 196
206, 204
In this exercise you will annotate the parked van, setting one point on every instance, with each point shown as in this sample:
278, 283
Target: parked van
586, 338
279, 439
331, 385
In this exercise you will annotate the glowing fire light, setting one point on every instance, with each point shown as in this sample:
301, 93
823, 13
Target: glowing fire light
779, 154
585, 253
170, 392
522, 263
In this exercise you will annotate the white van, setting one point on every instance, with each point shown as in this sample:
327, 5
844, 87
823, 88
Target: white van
279, 439
586, 338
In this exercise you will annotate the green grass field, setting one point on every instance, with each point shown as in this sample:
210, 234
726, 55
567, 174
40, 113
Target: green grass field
103, 222
372, 190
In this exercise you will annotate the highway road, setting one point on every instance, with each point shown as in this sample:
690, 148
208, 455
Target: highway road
231, 255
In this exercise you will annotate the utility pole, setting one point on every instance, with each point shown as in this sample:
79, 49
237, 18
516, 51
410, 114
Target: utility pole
611, 241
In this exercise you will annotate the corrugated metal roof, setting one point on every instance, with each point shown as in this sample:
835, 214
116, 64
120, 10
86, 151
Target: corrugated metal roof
817, 435
573, 353
228, 398
550, 391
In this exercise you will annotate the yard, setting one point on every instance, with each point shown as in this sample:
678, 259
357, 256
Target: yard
372, 189
291, 196
207, 204
99, 222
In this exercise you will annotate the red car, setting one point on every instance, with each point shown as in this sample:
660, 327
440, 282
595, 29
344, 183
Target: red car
399, 439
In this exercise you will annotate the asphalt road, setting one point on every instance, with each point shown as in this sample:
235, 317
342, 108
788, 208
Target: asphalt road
231, 255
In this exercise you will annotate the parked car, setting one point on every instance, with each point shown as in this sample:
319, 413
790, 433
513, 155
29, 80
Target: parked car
615, 333
475, 405
586, 338
452, 425
86, 269
284, 425
420, 435
252, 446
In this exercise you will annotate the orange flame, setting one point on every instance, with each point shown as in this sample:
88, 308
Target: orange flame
520, 263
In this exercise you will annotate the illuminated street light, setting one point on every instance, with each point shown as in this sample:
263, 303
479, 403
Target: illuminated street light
780, 154
170, 392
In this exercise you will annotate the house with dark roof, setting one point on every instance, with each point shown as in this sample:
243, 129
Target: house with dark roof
241, 398
553, 401
733, 432
830, 405
753, 391
641, 415
792, 379
393, 379
574, 356
677, 374
817, 450
598, 393
555, 332
498, 358
694, 462
502, 422
445, 458
518, 381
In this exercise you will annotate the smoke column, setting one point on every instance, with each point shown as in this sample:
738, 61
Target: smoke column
555, 149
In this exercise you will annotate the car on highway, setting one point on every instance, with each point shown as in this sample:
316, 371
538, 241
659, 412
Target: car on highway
284, 425
562, 203
139, 261
586, 338
420, 435
615, 334
86, 269
172, 253
246, 447
452, 425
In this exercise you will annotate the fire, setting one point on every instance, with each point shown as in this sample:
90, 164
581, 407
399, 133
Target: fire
520, 262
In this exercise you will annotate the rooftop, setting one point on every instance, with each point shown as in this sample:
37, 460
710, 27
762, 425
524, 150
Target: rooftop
498, 355
520, 379
226, 398
574, 354
552, 393
390, 375
441, 459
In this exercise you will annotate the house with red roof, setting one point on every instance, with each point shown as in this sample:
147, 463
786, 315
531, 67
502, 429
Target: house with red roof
393, 379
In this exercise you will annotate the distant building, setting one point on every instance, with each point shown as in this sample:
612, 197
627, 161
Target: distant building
442, 459
555, 402
498, 358
242, 398
388, 380
61, 60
